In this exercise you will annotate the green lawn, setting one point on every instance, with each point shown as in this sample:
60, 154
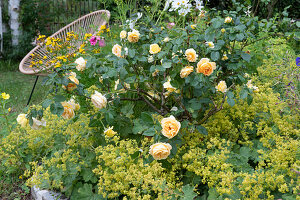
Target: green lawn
19, 87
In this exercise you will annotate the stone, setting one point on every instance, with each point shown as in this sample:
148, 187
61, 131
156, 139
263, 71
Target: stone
38, 194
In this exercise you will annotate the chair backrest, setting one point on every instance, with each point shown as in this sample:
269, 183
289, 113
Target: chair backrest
85, 24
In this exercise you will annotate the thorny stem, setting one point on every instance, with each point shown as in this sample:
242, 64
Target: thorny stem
162, 94
142, 97
152, 106
247, 44
178, 100
215, 109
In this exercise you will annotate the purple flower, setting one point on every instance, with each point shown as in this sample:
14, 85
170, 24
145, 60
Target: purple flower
170, 25
93, 40
102, 42
298, 61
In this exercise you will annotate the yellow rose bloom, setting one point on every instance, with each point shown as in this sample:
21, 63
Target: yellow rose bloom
110, 132
221, 87
186, 71
98, 100
22, 120
74, 80
5, 96
152, 94
75, 105
205, 67
249, 84
228, 20
167, 85
81, 64
123, 34
210, 44
202, 61
101, 79
160, 151
133, 36
70, 87
38, 124
191, 55
68, 110
224, 57
170, 127
117, 50
255, 89
155, 73
72, 77
154, 49
167, 39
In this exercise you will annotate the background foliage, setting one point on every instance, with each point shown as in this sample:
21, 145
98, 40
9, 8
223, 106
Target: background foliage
36, 17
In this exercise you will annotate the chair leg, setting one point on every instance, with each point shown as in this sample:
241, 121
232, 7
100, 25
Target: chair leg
37, 77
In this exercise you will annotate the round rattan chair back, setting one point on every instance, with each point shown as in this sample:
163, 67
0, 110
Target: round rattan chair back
85, 24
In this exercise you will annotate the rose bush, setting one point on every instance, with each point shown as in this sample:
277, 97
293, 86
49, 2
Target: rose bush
159, 68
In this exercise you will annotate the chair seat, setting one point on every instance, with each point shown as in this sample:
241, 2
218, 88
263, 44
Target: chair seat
85, 24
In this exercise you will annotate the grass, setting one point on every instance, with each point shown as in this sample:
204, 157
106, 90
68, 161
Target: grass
13, 188
19, 87
8, 65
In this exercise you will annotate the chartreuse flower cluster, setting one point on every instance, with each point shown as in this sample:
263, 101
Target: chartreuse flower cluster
275, 152
122, 170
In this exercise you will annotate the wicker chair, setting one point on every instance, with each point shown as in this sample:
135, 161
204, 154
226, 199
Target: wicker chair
85, 24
